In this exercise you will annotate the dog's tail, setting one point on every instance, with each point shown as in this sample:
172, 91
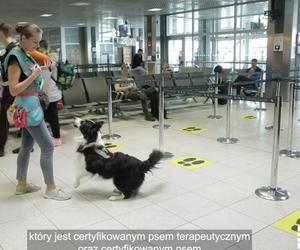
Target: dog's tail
153, 159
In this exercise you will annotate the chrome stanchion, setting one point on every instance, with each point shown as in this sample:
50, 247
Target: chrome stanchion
111, 135
157, 126
273, 192
289, 152
270, 127
167, 155
228, 139
261, 94
215, 116
166, 126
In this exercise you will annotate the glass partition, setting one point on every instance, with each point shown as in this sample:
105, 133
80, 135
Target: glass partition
175, 53
180, 24
229, 35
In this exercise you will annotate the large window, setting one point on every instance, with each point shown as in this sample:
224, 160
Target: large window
180, 24
73, 49
175, 52
229, 35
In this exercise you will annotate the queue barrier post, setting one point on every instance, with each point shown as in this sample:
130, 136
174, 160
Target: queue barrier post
273, 192
110, 135
228, 139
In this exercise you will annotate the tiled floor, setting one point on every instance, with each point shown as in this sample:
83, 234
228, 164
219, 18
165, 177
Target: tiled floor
218, 196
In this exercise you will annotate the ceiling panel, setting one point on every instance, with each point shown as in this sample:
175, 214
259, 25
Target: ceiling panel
64, 14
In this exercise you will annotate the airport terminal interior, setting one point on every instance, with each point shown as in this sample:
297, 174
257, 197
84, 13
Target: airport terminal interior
226, 81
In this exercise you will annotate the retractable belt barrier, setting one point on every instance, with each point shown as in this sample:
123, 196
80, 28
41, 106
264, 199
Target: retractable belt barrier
272, 192
166, 155
261, 94
289, 152
110, 81
228, 139
279, 79
215, 102
195, 90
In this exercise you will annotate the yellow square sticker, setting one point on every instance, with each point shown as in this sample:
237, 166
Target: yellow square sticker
289, 223
249, 117
192, 129
191, 162
112, 145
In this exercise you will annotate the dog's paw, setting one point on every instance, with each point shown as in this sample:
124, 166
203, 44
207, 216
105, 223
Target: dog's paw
117, 191
116, 197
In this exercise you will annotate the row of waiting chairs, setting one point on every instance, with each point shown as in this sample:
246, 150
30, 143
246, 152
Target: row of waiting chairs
91, 87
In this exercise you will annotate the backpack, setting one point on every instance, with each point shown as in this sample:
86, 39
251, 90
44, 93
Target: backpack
65, 75
9, 47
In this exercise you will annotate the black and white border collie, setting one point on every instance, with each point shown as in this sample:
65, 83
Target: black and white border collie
127, 172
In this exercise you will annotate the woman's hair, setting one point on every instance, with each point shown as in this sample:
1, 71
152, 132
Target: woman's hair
6, 28
44, 45
124, 71
124, 66
28, 30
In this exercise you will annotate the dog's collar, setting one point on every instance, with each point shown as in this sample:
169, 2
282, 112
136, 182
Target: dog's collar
99, 149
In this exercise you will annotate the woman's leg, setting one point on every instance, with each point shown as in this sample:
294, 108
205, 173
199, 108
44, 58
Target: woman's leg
42, 136
153, 96
139, 95
51, 116
6, 101
24, 156
154, 103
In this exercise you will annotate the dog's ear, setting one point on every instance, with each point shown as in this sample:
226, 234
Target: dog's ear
99, 125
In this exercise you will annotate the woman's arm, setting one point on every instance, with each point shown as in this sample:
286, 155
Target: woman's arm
14, 73
118, 88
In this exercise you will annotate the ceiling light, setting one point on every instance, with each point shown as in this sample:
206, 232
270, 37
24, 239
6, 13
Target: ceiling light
155, 9
80, 24
22, 23
80, 4
110, 18
46, 15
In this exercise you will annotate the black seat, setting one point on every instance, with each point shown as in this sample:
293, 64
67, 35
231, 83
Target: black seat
182, 79
168, 79
75, 95
144, 81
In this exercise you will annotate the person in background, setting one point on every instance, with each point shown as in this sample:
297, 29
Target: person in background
7, 39
166, 68
53, 92
222, 90
253, 70
137, 60
23, 82
254, 73
130, 91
